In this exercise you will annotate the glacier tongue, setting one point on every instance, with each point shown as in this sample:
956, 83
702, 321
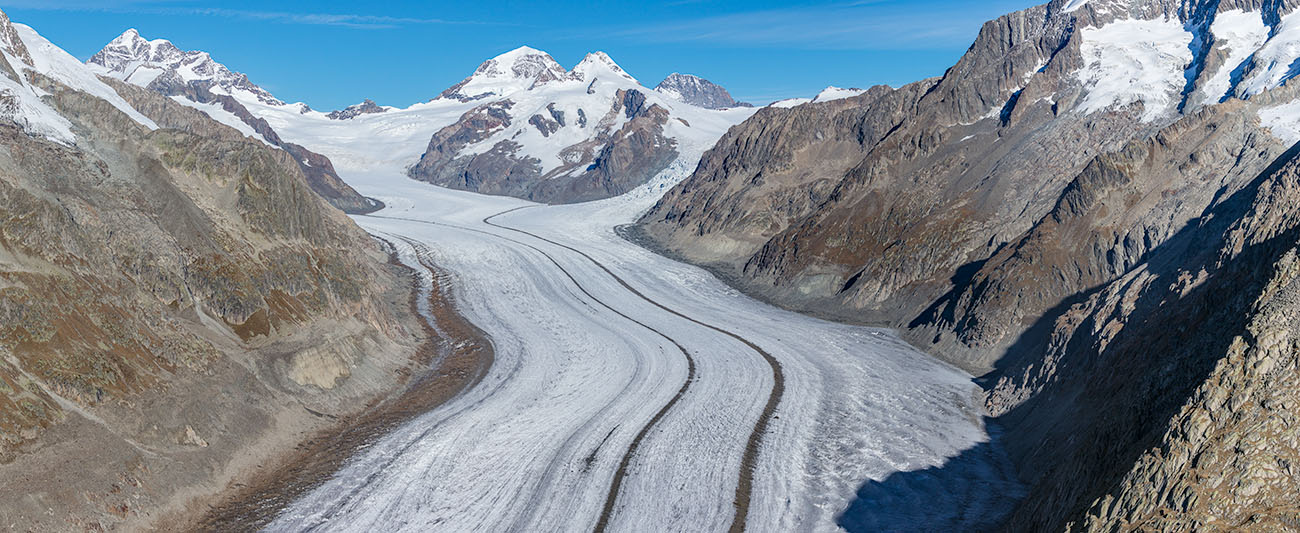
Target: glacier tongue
535, 446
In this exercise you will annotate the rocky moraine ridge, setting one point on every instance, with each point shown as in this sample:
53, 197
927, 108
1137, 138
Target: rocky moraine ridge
1095, 209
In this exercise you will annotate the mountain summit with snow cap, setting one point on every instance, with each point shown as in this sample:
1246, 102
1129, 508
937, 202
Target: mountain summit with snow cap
159, 63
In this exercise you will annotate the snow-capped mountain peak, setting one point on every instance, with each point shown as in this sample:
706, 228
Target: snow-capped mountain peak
139, 61
131, 47
10, 42
523, 63
596, 65
22, 99
518, 69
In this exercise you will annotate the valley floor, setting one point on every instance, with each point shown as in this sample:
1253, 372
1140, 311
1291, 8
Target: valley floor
635, 393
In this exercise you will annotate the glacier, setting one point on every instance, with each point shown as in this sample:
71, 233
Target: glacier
581, 369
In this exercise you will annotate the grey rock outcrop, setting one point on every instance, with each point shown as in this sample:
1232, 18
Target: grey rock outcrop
364, 108
697, 91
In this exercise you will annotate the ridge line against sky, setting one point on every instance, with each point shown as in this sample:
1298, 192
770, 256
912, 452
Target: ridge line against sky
332, 54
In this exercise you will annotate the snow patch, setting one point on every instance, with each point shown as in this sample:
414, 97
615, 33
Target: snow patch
836, 93
1283, 121
1132, 61
789, 102
23, 106
1276, 61
219, 114
1074, 5
1241, 33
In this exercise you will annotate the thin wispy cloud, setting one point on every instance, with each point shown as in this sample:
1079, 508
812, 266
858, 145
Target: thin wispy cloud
863, 25
163, 7
328, 19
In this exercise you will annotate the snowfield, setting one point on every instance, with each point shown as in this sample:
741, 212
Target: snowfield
1131, 61
584, 364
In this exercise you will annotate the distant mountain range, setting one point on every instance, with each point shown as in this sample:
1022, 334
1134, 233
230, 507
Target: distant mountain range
520, 125
698, 91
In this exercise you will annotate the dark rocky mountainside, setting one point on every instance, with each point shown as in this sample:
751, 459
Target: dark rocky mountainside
1093, 210
161, 67
175, 303
698, 91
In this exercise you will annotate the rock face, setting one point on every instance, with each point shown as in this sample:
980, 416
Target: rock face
697, 91
1092, 209
542, 133
366, 107
162, 277
160, 66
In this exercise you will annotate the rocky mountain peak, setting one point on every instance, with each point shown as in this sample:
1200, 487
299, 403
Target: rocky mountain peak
159, 63
697, 91
366, 107
130, 49
10, 42
596, 65
523, 63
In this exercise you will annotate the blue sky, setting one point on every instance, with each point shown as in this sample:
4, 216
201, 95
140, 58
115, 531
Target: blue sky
331, 54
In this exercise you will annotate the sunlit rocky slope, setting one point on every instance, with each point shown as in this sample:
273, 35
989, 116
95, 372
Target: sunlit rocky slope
1094, 209
175, 300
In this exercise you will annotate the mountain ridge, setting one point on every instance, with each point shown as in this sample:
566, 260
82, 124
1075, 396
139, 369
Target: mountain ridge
173, 294
1021, 216
160, 66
